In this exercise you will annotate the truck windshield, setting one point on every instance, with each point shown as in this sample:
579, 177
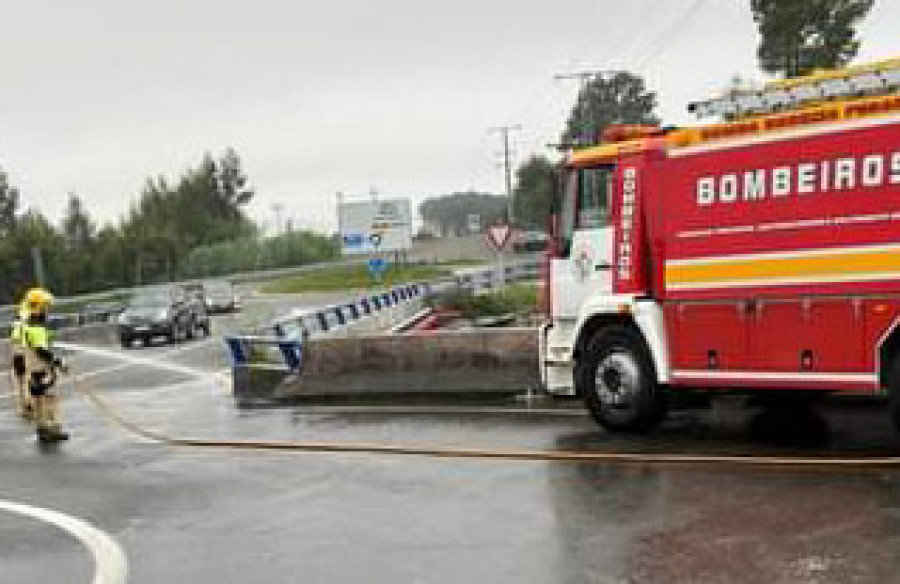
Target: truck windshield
593, 197
586, 202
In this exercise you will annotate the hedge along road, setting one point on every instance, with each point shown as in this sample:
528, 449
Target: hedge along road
111, 566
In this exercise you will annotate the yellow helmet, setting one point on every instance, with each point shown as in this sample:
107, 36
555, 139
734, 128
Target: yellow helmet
38, 299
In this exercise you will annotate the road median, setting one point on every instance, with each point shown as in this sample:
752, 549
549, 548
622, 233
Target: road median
486, 361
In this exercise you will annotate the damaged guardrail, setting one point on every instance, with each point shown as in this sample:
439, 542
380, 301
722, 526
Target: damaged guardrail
295, 349
285, 337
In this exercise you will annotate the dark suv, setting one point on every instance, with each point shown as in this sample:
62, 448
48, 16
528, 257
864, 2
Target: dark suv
158, 312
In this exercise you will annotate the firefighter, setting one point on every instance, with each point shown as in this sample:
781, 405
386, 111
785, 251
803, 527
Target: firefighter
33, 300
42, 367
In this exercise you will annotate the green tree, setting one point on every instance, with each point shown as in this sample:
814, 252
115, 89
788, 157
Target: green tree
109, 259
799, 36
204, 207
619, 98
194, 226
9, 204
77, 227
231, 181
33, 230
535, 192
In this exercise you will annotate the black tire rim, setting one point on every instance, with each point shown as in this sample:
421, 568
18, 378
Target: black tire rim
617, 380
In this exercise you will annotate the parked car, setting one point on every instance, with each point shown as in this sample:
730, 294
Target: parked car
221, 297
531, 240
157, 312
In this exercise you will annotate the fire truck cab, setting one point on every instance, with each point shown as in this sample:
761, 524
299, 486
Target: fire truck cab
761, 253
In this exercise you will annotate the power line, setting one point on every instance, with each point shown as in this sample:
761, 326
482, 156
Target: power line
638, 35
643, 38
668, 35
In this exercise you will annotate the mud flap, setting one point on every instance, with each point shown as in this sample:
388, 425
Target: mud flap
557, 374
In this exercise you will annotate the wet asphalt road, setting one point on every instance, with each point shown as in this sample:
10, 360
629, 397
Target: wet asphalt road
199, 516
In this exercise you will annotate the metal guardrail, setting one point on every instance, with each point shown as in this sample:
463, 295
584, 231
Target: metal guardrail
283, 339
288, 334
65, 321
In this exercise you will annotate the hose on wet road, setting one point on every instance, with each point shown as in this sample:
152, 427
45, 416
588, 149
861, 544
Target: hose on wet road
113, 416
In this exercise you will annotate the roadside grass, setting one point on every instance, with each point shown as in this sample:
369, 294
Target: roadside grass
352, 278
519, 299
77, 306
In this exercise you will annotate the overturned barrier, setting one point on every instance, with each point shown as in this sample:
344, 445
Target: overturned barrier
483, 361
354, 349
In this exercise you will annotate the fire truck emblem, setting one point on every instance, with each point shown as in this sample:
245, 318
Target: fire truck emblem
583, 263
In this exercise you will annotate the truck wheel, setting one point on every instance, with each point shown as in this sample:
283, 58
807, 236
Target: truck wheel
615, 379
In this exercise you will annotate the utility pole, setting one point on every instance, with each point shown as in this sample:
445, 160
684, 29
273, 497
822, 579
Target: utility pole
507, 165
37, 259
277, 208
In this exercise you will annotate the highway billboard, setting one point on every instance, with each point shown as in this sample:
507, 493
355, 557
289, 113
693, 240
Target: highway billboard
374, 226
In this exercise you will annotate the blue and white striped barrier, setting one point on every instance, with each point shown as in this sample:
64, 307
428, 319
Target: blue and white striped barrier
284, 338
288, 334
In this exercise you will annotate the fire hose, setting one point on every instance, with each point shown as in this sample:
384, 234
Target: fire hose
114, 417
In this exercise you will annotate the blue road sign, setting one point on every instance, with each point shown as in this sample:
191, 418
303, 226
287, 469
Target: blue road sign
377, 267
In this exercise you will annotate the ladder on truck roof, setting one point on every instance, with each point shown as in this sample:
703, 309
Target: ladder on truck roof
874, 79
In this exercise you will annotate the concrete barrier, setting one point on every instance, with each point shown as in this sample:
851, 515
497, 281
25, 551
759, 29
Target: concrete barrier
489, 361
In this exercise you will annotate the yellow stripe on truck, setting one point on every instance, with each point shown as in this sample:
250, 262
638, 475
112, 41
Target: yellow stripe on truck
860, 265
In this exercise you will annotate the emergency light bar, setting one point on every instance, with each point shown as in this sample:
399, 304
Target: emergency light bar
866, 80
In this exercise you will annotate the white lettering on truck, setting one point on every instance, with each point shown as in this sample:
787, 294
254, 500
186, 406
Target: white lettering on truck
629, 197
807, 178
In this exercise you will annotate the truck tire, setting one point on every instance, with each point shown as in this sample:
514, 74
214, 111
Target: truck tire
616, 380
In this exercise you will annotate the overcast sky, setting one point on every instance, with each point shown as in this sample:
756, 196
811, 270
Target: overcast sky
319, 97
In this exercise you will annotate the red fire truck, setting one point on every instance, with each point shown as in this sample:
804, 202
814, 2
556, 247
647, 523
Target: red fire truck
759, 253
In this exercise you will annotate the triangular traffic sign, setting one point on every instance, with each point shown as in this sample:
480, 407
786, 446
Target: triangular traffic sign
498, 236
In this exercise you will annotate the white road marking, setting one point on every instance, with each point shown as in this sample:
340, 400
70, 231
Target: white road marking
111, 566
132, 361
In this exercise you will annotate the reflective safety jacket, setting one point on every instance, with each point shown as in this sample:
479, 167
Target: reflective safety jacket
36, 342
